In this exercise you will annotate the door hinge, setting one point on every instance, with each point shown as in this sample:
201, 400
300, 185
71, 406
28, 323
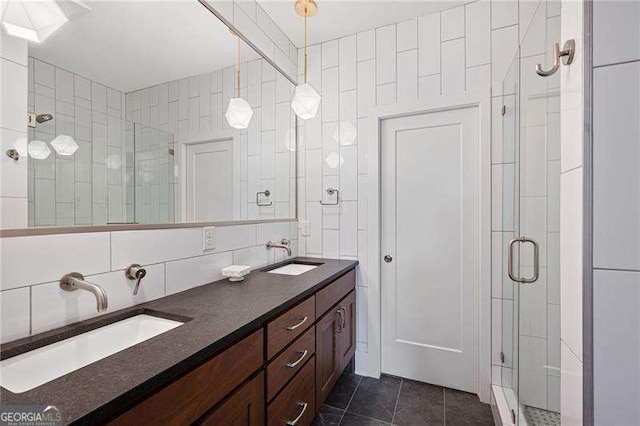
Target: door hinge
513, 416
504, 109
502, 357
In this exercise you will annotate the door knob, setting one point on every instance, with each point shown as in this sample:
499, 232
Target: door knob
388, 259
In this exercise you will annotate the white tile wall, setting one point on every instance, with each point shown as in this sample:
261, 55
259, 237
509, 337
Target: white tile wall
91, 113
616, 175
48, 257
616, 195
616, 325
571, 231
32, 302
386, 65
266, 151
13, 131
570, 388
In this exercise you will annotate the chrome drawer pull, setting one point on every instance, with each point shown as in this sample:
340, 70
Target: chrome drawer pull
293, 422
293, 364
341, 327
293, 327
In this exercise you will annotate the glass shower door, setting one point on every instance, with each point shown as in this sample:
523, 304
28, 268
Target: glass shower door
531, 221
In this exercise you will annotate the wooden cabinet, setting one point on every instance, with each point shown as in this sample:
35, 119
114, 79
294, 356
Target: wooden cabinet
192, 395
280, 373
347, 331
291, 324
289, 362
245, 407
335, 345
334, 292
327, 354
296, 403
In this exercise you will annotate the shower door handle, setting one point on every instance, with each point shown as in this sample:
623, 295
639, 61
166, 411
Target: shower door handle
536, 260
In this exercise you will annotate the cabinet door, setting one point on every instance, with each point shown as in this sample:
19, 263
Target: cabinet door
327, 355
245, 407
347, 330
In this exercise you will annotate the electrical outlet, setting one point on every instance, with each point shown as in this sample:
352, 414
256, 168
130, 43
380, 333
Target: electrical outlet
305, 228
209, 238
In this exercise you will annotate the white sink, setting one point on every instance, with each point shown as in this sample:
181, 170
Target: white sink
293, 269
32, 369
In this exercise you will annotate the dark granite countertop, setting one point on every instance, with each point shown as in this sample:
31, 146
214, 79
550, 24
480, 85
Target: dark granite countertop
220, 313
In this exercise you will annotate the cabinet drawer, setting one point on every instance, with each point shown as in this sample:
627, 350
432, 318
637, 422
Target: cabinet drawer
289, 362
245, 407
297, 400
189, 397
284, 329
331, 294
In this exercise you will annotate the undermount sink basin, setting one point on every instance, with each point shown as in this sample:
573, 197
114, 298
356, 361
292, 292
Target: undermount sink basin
293, 269
32, 369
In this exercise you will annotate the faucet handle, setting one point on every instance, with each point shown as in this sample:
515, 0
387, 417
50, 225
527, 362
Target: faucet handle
135, 272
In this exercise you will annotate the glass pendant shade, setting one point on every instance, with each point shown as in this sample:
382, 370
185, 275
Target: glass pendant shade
37, 20
38, 150
306, 101
239, 113
64, 145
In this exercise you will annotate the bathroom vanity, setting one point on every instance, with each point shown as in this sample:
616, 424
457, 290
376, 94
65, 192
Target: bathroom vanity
267, 350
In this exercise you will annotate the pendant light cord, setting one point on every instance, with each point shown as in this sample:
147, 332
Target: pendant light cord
238, 72
305, 44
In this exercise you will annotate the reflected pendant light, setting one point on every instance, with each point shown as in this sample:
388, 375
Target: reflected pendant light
306, 99
239, 111
37, 20
64, 145
38, 150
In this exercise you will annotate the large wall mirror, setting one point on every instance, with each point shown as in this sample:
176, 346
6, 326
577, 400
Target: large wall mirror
129, 102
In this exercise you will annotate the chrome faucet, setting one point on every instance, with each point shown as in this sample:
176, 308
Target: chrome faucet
75, 280
284, 244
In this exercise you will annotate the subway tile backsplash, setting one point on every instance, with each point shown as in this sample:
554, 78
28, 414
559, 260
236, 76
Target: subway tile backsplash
30, 298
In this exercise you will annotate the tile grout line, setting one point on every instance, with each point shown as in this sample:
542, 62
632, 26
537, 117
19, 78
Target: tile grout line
395, 408
350, 399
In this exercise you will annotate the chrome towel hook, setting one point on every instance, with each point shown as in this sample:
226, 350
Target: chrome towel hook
567, 53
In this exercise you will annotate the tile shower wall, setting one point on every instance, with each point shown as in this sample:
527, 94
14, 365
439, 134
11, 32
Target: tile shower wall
616, 203
193, 110
32, 302
571, 214
13, 131
440, 53
86, 188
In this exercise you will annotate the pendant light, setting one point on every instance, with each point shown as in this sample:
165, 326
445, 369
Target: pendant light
306, 99
37, 20
239, 111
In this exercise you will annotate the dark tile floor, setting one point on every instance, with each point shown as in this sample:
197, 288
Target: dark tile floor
357, 400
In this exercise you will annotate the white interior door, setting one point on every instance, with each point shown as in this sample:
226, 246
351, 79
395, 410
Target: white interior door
430, 193
210, 181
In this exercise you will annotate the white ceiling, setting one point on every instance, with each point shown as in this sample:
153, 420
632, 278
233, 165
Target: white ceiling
129, 45
337, 18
